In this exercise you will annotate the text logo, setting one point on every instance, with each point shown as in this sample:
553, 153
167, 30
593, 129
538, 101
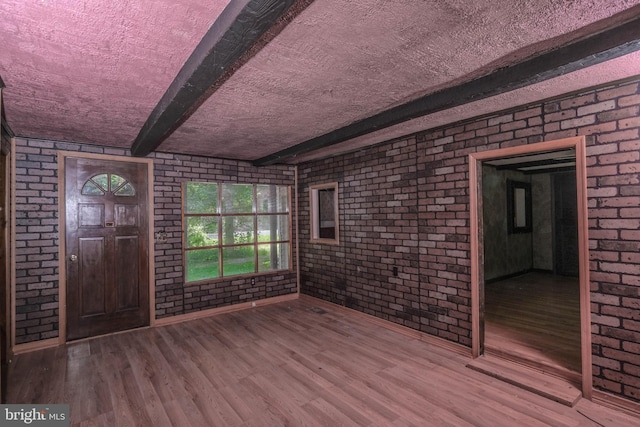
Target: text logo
34, 415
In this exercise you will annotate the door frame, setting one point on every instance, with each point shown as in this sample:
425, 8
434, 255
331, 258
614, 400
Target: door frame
7, 309
62, 284
477, 254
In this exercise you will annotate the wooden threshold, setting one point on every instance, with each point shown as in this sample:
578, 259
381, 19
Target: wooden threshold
551, 387
547, 369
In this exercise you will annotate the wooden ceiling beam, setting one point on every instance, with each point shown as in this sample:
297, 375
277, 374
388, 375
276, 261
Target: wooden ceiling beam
591, 50
241, 30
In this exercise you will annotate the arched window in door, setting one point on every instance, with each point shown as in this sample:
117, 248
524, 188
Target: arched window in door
101, 184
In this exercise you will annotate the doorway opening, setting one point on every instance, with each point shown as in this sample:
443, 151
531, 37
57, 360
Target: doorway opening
530, 286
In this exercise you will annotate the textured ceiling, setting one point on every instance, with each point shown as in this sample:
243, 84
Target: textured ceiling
92, 71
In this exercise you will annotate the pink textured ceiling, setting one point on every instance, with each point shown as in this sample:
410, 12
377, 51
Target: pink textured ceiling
616, 69
92, 71
344, 61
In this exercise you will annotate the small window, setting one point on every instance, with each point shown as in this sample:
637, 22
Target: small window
518, 207
324, 213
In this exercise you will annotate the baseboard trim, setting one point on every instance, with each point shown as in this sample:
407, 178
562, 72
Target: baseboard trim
616, 402
404, 330
55, 342
221, 310
35, 345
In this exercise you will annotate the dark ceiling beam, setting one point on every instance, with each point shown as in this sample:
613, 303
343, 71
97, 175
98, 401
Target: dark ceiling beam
241, 30
591, 50
5, 126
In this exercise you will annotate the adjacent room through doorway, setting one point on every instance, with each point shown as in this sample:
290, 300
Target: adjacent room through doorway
532, 293
530, 286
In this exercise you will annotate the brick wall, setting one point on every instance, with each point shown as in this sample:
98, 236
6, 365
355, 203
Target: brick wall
36, 227
614, 233
37, 266
173, 296
378, 231
406, 204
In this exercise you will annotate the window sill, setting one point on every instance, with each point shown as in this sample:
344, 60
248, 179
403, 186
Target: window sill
237, 277
325, 241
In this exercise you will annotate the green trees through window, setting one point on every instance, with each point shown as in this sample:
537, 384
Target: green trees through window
234, 229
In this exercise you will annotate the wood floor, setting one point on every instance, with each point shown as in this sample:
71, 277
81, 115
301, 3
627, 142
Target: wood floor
536, 317
298, 363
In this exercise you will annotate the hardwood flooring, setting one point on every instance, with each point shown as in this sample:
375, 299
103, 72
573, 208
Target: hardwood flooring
535, 317
297, 363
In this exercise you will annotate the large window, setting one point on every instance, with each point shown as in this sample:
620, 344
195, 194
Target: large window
235, 229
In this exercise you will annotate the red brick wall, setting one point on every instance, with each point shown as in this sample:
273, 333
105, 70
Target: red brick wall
378, 231
406, 204
173, 296
36, 255
614, 236
37, 266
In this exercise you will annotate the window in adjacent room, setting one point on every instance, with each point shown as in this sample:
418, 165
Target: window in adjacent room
518, 207
324, 213
235, 229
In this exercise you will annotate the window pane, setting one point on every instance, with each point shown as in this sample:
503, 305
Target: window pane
519, 207
201, 198
273, 228
126, 190
202, 264
273, 256
202, 231
326, 214
237, 198
116, 181
283, 199
102, 180
91, 189
272, 199
237, 230
238, 260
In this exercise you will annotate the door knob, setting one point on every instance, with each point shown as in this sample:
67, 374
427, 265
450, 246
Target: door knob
73, 258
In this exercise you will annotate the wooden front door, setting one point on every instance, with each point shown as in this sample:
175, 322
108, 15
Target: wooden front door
107, 254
